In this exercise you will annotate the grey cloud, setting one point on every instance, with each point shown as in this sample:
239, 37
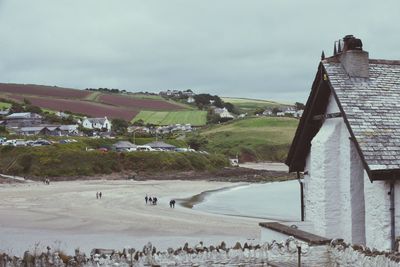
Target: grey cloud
258, 49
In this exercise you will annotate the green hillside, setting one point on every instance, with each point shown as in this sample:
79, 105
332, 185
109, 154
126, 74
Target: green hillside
4, 105
193, 117
248, 105
257, 138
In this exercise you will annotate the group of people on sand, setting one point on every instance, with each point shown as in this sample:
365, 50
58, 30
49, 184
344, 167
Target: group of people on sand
99, 195
46, 181
151, 200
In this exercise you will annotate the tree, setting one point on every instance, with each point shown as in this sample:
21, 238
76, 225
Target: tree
212, 117
230, 107
259, 111
33, 109
196, 141
119, 126
299, 106
16, 107
276, 110
139, 122
218, 102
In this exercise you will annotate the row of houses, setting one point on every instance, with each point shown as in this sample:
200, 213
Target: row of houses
287, 112
28, 123
177, 93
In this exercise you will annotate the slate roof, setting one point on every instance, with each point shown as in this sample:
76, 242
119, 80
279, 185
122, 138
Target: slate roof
123, 144
372, 108
97, 120
23, 115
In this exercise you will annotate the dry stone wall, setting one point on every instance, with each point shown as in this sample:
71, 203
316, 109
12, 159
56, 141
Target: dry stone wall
338, 253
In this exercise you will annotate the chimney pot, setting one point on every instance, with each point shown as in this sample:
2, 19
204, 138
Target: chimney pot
353, 59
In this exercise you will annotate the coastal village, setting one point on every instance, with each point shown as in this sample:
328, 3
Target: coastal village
346, 174
199, 134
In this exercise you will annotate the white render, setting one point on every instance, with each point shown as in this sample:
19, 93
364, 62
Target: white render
340, 200
96, 123
378, 214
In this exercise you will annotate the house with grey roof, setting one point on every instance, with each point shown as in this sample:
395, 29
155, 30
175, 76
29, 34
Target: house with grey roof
96, 123
23, 119
123, 146
159, 145
347, 145
4, 112
69, 130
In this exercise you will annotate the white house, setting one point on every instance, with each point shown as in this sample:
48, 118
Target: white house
223, 113
267, 112
348, 146
190, 99
96, 123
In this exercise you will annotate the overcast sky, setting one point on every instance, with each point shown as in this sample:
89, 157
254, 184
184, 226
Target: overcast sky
256, 48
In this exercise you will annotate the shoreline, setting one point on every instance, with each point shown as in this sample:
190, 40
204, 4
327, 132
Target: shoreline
194, 200
249, 173
190, 202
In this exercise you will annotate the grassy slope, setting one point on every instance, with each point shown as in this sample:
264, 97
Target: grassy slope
73, 160
4, 105
247, 104
93, 96
258, 138
194, 117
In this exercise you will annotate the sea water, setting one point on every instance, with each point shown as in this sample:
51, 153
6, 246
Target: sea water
276, 201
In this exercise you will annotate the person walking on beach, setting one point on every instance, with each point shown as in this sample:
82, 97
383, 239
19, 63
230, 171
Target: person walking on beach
97, 195
100, 194
150, 200
146, 199
172, 203
154, 201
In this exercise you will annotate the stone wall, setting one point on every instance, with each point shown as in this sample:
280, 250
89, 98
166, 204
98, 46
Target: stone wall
338, 253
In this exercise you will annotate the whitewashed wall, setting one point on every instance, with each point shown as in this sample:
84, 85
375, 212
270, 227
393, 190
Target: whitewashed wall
334, 185
377, 217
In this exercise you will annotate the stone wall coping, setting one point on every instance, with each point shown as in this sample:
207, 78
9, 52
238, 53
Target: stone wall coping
311, 239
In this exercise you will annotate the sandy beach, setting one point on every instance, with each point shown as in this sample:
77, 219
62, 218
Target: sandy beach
67, 215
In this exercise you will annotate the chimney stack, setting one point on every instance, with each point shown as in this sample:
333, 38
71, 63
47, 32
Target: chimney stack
353, 58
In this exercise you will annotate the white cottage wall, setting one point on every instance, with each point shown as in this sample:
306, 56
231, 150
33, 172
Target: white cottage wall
377, 213
322, 206
343, 166
334, 185
357, 197
397, 208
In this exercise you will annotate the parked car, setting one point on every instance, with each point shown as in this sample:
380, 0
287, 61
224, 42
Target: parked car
20, 142
2, 140
10, 142
144, 148
41, 142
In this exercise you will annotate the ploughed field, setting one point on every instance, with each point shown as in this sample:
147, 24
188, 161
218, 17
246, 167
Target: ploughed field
42, 90
91, 109
138, 102
90, 103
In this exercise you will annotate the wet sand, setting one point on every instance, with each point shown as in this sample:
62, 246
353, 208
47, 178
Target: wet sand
68, 215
